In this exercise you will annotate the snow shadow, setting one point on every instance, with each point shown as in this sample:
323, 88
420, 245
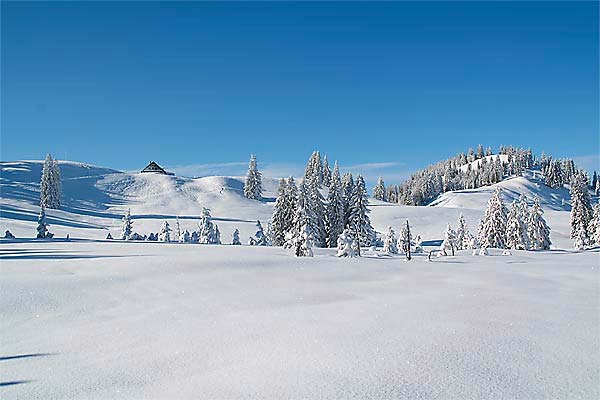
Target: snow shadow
57, 255
19, 214
11, 383
31, 355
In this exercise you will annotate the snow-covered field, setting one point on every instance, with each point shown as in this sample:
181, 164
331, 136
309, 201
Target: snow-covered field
90, 318
152, 320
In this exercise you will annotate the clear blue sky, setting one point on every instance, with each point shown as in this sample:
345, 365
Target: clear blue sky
195, 84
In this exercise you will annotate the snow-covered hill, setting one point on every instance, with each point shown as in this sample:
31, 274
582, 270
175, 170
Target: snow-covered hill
95, 199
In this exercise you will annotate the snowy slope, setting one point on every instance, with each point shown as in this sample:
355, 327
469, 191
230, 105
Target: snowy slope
95, 199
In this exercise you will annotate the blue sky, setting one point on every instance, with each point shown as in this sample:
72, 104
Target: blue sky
385, 88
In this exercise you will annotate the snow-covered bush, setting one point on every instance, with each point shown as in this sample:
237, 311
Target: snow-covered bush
165, 232
126, 226
42, 227
207, 233
109, 236
8, 235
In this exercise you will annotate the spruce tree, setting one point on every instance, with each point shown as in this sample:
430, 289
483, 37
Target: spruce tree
326, 172
359, 221
50, 184
317, 207
335, 208
280, 219
390, 245
449, 243
253, 183
581, 208
165, 232
260, 238
463, 236
42, 226
207, 233
346, 245
537, 228
126, 226
492, 229
594, 226
379, 191
347, 191
236, 238
516, 226
177, 230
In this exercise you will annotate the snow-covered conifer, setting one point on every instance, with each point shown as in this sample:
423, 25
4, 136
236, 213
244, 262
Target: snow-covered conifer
335, 208
185, 237
537, 229
347, 191
206, 232
260, 238
165, 232
253, 183
390, 245
303, 242
346, 245
177, 233
50, 185
405, 239
280, 221
359, 221
236, 238
449, 243
8, 235
126, 226
316, 203
42, 226
326, 172
463, 236
492, 230
594, 226
379, 192
517, 237
581, 208
581, 238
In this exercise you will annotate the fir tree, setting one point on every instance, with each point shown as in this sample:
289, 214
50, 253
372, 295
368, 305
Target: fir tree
463, 236
346, 245
236, 238
405, 239
126, 226
177, 230
581, 238
492, 230
50, 185
186, 237
537, 229
335, 208
516, 227
165, 232
207, 233
42, 227
347, 191
390, 244
359, 221
253, 183
594, 226
449, 243
317, 207
326, 172
260, 238
280, 220
581, 209
379, 192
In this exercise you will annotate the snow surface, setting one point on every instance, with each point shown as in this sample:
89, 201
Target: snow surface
97, 319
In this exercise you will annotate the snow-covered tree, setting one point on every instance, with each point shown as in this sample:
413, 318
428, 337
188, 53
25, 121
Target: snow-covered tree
359, 221
177, 233
260, 238
517, 237
594, 226
390, 245
165, 232
347, 191
303, 219
537, 228
379, 191
581, 238
335, 208
253, 183
217, 235
126, 226
50, 185
8, 235
185, 237
207, 233
281, 221
554, 175
326, 172
492, 229
316, 203
236, 238
314, 169
303, 242
42, 226
406, 240
581, 208
346, 245
463, 236
449, 243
